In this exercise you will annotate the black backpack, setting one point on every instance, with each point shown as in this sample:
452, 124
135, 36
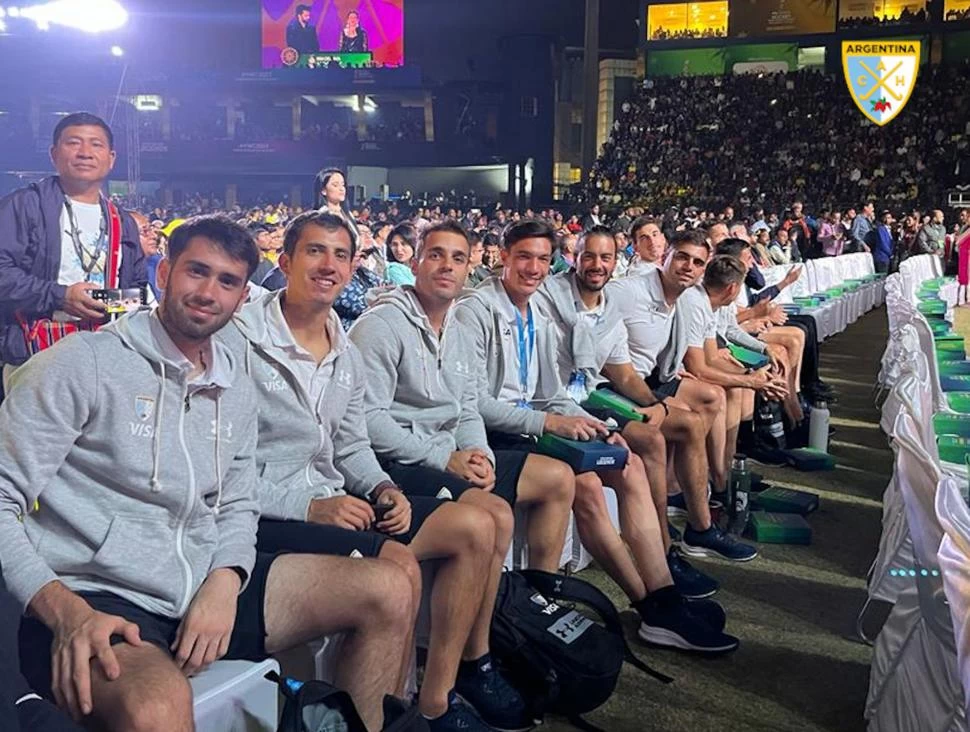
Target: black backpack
559, 659
332, 710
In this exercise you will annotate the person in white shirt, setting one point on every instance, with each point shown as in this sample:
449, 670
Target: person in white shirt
650, 245
723, 278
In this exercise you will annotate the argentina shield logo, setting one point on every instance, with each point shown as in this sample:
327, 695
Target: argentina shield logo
880, 76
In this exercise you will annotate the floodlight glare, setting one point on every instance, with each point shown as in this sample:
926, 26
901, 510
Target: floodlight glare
91, 16
117, 51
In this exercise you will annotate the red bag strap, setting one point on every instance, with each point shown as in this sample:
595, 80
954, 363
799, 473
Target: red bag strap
112, 272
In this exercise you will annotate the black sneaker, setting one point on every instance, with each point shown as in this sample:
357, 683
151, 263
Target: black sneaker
458, 718
674, 533
716, 543
676, 625
676, 505
692, 583
482, 687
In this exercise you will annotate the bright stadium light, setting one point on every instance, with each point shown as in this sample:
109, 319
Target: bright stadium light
3, 26
13, 12
91, 16
117, 51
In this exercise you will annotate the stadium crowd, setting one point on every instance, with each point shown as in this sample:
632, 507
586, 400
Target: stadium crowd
316, 401
689, 140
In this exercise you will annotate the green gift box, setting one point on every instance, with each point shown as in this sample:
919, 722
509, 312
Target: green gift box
779, 528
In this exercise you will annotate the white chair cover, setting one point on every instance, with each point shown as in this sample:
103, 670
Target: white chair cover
954, 558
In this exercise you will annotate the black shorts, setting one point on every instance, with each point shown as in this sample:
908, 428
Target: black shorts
418, 480
248, 640
302, 537
662, 389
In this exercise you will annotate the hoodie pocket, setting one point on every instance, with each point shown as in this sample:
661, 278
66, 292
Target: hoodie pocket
139, 555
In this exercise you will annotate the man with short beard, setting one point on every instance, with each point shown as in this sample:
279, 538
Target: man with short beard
521, 394
139, 568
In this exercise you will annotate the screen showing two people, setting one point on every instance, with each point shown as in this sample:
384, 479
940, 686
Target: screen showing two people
321, 34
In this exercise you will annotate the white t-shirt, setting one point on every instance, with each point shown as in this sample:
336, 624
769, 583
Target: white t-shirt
648, 318
700, 321
609, 339
91, 229
512, 390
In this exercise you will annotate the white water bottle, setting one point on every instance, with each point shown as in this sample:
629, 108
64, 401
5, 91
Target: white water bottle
818, 427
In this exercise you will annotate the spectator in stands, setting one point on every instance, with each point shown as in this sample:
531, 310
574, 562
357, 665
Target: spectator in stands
56, 238
521, 394
592, 218
309, 381
885, 247
150, 248
400, 252
478, 272
267, 250
177, 582
301, 35
331, 187
492, 258
353, 38
780, 250
564, 256
592, 348
932, 234
862, 230
650, 243
759, 246
831, 234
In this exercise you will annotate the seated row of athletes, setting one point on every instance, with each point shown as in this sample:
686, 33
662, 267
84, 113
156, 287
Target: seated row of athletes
223, 479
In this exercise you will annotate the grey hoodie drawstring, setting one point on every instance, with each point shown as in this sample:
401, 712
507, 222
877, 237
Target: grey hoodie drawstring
218, 505
249, 348
155, 484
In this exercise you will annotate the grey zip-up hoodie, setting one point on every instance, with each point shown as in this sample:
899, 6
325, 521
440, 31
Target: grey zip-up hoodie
145, 484
481, 312
422, 397
305, 450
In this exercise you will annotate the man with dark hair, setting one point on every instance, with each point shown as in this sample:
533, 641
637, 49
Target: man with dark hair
300, 34
128, 527
650, 245
521, 394
477, 272
58, 236
862, 230
319, 472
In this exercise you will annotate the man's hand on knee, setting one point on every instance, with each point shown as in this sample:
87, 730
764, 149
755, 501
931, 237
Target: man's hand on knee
83, 635
203, 635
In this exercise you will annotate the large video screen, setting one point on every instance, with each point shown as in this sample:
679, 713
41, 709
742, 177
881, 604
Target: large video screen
956, 10
901, 10
687, 20
761, 17
324, 34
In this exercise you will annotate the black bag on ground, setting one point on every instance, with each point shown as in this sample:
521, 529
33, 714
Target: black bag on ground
560, 660
316, 706
769, 425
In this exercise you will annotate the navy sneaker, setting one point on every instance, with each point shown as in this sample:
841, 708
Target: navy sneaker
482, 687
676, 505
692, 583
674, 624
716, 543
458, 718
674, 533
710, 611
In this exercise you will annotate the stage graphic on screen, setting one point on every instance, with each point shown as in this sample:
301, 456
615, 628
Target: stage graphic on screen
761, 17
322, 34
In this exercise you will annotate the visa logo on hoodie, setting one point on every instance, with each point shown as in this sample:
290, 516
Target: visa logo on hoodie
144, 409
273, 380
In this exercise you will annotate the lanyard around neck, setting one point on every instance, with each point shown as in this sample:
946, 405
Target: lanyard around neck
527, 342
79, 249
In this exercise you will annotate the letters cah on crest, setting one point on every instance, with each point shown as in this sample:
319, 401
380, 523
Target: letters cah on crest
881, 76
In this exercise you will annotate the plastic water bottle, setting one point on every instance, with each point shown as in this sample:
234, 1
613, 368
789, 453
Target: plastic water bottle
818, 427
739, 487
576, 390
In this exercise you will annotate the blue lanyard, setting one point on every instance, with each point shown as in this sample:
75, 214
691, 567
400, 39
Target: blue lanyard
525, 348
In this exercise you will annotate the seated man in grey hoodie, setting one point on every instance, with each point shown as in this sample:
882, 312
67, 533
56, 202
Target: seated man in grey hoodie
128, 519
593, 353
319, 474
422, 412
521, 397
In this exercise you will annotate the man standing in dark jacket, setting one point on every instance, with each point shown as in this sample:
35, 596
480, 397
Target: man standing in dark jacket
300, 34
54, 238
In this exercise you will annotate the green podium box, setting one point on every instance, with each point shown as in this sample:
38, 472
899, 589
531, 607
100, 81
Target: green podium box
779, 528
809, 459
957, 399
785, 500
953, 449
613, 402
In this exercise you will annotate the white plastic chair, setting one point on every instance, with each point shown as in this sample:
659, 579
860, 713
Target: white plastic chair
235, 696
